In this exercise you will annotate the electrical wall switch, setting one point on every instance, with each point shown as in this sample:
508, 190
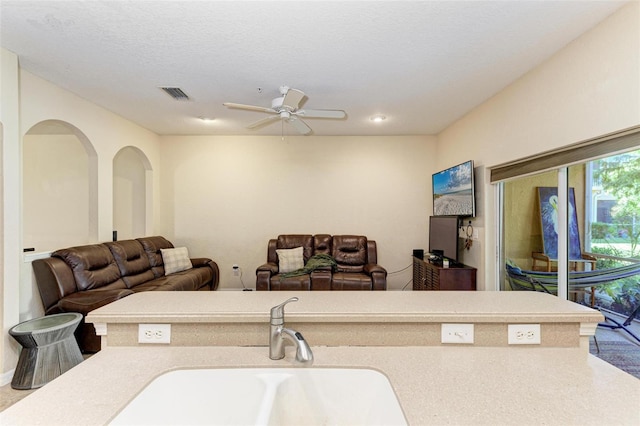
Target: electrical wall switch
154, 333
457, 333
524, 334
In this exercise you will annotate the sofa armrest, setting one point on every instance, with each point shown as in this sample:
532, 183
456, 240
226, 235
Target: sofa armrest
264, 274
86, 301
371, 268
270, 267
378, 276
200, 262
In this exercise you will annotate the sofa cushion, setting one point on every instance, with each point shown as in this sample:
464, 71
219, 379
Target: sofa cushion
86, 301
350, 281
152, 246
93, 266
322, 244
132, 261
175, 260
290, 259
350, 252
293, 241
190, 280
297, 283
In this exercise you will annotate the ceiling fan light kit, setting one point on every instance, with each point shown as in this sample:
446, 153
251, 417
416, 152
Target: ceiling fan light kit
287, 108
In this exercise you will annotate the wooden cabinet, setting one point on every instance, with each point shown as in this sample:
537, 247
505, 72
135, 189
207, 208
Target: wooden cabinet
428, 276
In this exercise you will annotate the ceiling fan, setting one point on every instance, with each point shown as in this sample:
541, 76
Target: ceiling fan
287, 108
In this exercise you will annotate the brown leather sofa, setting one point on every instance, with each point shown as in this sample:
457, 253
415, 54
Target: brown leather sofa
355, 255
81, 279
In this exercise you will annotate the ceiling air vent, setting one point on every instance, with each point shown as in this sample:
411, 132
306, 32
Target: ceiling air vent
176, 93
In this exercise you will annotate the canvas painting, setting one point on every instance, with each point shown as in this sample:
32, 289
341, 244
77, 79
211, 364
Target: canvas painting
548, 204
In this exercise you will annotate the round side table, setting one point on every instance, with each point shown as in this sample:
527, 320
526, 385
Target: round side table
49, 348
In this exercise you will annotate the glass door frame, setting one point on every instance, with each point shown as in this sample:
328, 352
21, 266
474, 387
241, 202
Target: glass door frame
563, 237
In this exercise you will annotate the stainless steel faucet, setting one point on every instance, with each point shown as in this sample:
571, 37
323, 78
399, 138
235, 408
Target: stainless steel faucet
279, 335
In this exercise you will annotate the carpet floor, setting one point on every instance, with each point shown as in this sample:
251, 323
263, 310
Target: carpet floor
624, 355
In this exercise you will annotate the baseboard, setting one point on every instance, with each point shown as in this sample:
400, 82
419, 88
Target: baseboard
5, 378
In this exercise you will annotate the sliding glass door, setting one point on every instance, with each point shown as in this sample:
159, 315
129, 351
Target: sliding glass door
612, 222
523, 243
560, 225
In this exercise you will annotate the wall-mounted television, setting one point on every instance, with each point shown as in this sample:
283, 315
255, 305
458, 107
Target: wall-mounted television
454, 191
443, 236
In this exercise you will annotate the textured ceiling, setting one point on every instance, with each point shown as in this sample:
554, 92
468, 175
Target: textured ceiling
421, 64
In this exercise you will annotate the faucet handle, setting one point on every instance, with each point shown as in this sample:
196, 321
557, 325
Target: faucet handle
277, 312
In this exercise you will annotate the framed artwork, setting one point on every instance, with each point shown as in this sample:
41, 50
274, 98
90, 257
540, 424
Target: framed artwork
548, 205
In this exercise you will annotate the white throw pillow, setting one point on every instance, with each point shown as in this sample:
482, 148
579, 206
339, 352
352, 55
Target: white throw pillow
175, 260
290, 259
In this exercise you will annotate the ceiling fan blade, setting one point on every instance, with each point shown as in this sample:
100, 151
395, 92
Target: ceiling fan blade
292, 98
263, 122
321, 113
299, 125
249, 107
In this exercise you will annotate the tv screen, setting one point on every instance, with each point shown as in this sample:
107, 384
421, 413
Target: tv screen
443, 235
454, 191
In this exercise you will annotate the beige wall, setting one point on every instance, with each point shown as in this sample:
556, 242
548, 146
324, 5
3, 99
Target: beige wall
26, 101
225, 197
129, 193
589, 88
10, 232
55, 204
108, 133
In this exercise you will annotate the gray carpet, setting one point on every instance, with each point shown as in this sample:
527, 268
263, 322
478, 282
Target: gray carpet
624, 355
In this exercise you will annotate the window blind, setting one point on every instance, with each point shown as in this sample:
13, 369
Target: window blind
591, 149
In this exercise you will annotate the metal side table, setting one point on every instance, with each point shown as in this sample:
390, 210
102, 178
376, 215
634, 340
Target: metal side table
49, 348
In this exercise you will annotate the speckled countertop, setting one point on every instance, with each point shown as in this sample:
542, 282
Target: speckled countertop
344, 306
435, 385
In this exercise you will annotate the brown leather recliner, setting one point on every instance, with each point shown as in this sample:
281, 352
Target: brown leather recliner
355, 255
83, 278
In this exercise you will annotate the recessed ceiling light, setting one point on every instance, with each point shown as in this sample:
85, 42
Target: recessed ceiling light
207, 119
378, 118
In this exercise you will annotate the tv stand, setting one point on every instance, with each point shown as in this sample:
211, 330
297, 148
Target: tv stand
429, 276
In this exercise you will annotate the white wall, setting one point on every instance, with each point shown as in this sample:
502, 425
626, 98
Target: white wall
589, 88
225, 197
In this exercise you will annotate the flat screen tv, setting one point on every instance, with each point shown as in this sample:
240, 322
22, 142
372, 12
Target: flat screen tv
443, 236
454, 191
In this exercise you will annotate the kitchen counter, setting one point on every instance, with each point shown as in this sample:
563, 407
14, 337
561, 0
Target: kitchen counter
446, 385
231, 318
341, 306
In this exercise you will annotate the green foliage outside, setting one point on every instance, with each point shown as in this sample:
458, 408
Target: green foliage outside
620, 177
625, 292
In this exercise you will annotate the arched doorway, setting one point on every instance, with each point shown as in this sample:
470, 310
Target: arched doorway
59, 187
131, 193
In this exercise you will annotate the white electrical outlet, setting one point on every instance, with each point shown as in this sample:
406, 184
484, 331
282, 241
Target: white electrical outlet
524, 334
236, 270
154, 333
457, 333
